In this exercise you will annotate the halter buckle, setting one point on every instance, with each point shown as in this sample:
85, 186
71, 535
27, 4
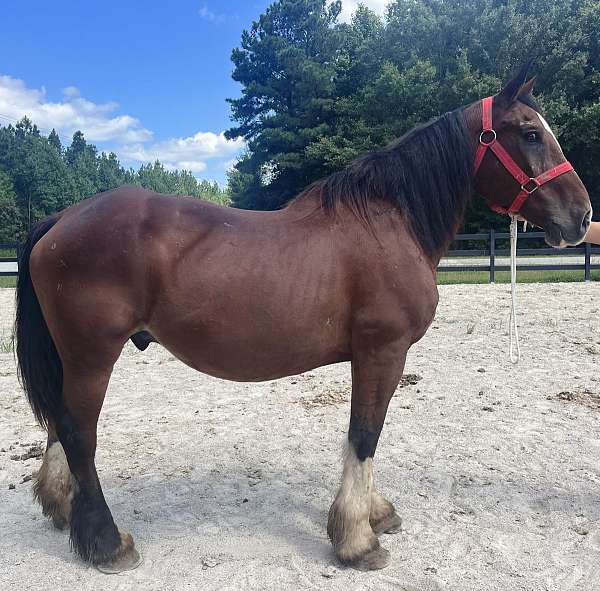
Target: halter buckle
491, 141
531, 186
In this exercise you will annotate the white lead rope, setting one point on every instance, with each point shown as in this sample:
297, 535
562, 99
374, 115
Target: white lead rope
515, 356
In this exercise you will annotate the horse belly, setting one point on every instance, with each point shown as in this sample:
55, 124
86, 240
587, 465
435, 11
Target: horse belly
244, 348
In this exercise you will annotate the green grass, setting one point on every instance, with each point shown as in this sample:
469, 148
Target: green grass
8, 282
6, 345
6, 253
448, 278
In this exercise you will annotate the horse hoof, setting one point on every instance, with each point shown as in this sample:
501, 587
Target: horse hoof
122, 563
376, 559
392, 524
127, 557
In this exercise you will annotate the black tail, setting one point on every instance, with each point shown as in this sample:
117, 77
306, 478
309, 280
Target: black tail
39, 365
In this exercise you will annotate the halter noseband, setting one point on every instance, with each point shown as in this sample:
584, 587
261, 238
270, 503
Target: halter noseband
488, 140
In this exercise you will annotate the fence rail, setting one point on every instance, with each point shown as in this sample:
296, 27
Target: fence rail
491, 252
10, 246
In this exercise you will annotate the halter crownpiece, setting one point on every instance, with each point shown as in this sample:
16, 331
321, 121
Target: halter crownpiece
488, 140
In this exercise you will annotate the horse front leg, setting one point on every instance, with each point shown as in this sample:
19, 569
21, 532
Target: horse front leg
359, 511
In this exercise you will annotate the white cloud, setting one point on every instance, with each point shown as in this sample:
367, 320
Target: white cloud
350, 6
97, 121
188, 153
71, 91
208, 15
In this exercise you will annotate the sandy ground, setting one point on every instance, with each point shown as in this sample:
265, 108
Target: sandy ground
495, 468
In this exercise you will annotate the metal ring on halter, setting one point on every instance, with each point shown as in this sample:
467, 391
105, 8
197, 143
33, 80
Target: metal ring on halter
493, 140
536, 186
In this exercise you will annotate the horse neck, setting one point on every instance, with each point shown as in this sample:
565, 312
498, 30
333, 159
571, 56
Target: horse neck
387, 221
472, 123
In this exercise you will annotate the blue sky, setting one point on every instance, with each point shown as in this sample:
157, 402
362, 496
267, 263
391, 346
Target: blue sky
147, 80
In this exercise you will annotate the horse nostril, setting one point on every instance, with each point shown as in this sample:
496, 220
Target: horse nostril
587, 218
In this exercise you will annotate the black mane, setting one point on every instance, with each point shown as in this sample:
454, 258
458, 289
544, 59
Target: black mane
426, 174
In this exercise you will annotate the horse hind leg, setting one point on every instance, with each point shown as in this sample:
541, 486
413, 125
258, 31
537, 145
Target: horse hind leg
54, 484
94, 535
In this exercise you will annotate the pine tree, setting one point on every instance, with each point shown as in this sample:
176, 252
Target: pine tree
110, 174
82, 159
286, 64
54, 141
11, 222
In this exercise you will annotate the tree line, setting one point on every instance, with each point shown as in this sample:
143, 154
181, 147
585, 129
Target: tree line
38, 177
317, 93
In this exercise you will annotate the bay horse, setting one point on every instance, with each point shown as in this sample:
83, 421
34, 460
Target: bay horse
345, 272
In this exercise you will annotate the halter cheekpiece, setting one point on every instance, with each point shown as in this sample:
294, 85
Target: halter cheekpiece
488, 140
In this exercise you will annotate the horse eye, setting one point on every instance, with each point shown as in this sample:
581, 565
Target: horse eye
532, 137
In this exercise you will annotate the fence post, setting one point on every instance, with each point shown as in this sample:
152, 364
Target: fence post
492, 255
588, 253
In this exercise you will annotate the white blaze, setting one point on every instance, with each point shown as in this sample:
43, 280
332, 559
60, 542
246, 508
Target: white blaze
549, 130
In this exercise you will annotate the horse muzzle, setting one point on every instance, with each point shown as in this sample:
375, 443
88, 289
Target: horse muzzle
559, 234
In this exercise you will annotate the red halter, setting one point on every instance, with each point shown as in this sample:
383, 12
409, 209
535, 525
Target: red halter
528, 185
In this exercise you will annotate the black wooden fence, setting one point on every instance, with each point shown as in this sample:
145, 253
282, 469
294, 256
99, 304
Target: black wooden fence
490, 242
491, 251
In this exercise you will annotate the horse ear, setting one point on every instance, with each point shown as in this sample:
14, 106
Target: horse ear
516, 86
527, 88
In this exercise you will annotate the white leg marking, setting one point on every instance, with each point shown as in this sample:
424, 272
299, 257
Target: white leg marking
383, 517
54, 486
348, 527
380, 507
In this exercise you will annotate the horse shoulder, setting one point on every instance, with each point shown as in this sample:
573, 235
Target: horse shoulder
395, 300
